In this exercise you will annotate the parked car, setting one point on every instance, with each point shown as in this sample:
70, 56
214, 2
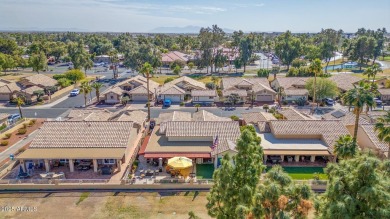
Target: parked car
167, 103
13, 118
378, 102
329, 101
74, 92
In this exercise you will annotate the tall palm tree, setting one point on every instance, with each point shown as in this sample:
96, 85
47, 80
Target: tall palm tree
375, 70
280, 94
361, 95
369, 73
345, 147
85, 88
197, 106
316, 68
19, 103
382, 126
147, 70
97, 86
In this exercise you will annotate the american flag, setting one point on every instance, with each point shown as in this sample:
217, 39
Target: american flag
215, 144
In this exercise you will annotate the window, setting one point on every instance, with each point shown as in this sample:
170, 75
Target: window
112, 97
211, 98
109, 161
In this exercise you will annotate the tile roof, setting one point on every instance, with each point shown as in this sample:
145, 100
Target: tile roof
171, 89
41, 79
255, 117
345, 81
10, 88
115, 90
234, 81
204, 115
328, 130
372, 134
289, 82
30, 90
225, 130
142, 81
81, 134
259, 87
347, 118
263, 127
188, 80
292, 114
140, 90
175, 55
298, 92
3, 116
89, 115
136, 116
241, 93
203, 93
384, 91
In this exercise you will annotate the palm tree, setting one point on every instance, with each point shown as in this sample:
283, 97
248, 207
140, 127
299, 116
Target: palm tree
316, 68
19, 103
147, 70
85, 88
280, 94
361, 95
197, 106
369, 73
375, 69
345, 147
382, 126
97, 86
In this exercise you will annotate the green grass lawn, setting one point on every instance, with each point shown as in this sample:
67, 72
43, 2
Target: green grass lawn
204, 171
304, 173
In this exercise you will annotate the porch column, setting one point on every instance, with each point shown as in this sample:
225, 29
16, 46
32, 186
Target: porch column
312, 158
296, 158
282, 157
215, 161
119, 164
71, 165
265, 159
160, 162
95, 165
23, 165
47, 166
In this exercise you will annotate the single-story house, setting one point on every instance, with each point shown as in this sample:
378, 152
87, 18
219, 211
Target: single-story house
203, 115
170, 57
8, 91
108, 143
259, 119
299, 140
4, 118
385, 94
241, 93
289, 83
368, 139
193, 139
187, 84
89, 115
345, 81
295, 94
28, 94
171, 92
292, 114
204, 96
138, 117
347, 118
112, 95
257, 87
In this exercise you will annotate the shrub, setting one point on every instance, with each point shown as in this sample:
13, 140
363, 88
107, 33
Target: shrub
3, 126
58, 76
64, 82
263, 73
168, 80
8, 136
211, 85
20, 150
24, 125
4, 143
266, 107
182, 104
234, 118
33, 121
22, 131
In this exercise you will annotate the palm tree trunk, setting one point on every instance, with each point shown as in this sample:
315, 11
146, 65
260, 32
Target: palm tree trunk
85, 100
97, 95
314, 87
20, 111
147, 86
355, 131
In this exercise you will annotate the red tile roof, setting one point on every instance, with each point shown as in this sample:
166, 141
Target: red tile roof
170, 155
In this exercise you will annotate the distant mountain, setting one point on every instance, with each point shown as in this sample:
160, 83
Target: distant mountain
186, 29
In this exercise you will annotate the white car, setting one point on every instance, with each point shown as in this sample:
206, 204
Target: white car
74, 92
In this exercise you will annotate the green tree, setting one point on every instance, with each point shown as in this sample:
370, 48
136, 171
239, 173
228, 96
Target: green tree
64, 82
190, 66
382, 127
177, 70
266, 107
87, 63
38, 62
278, 196
77, 54
233, 99
357, 188
316, 68
288, 48
264, 73
362, 49
235, 185
324, 88
168, 80
125, 100
345, 147
329, 42
7, 62
197, 107
39, 94
74, 75
57, 49
361, 95
245, 48
97, 86
372, 71
147, 70
7, 46
85, 88
237, 64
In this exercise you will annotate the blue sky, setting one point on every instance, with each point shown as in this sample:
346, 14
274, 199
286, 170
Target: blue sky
143, 16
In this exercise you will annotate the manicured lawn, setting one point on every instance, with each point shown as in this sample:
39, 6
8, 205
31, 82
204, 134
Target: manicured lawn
304, 173
161, 79
204, 171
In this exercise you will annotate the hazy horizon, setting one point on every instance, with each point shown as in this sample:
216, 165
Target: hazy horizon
299, 16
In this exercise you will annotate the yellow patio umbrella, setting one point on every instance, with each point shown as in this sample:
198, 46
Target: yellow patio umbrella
180, 163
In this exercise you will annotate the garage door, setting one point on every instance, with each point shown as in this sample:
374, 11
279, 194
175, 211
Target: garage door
173, 98
264, 98
4, 97
143, 98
